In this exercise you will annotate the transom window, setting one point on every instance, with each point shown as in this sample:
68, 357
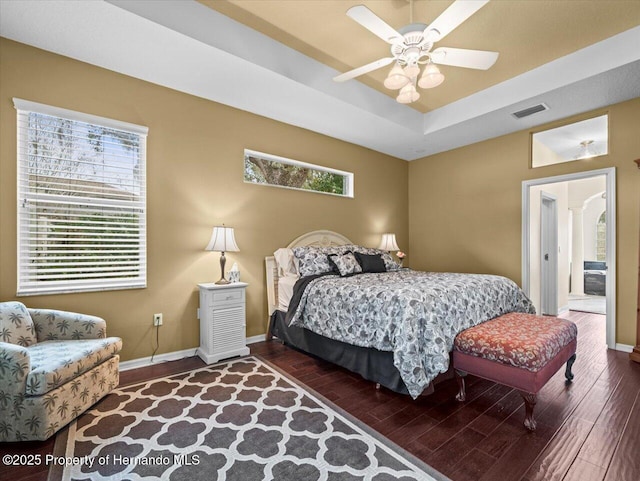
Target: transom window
581, 140
267, 169
81, 201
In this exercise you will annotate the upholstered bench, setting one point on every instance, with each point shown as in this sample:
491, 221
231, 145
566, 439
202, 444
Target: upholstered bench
519, 350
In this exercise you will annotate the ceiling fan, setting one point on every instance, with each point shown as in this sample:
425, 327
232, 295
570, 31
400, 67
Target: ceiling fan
411, 46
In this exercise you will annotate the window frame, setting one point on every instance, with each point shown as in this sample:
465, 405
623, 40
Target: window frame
348, 176
30, 287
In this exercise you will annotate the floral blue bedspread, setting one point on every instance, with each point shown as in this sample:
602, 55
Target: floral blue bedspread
414, 314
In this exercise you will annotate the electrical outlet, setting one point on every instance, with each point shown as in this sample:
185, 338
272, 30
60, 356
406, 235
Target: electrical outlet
157, 319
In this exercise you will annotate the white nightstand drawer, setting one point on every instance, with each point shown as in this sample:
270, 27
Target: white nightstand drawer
227, 296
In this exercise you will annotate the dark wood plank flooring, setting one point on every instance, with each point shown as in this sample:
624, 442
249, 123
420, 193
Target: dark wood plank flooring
588, 430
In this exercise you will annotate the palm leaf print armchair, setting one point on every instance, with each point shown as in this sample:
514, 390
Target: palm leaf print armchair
53, 366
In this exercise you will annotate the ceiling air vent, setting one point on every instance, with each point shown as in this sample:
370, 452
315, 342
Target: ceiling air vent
520, 114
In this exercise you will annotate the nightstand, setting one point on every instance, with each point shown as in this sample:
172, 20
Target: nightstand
222, 321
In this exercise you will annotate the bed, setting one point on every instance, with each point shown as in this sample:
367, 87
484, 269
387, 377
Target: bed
394, 327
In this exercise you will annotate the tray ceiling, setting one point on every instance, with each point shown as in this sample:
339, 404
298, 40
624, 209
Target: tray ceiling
526, 33
276, 58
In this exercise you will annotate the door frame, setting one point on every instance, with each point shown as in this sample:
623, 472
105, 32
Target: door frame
610, 179
549, 283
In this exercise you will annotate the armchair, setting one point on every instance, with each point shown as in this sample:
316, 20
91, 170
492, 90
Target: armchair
53, 366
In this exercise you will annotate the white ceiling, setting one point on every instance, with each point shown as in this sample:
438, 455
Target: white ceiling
565, 140
186, 46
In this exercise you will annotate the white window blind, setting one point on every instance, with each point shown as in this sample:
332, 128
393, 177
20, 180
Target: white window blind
81, 201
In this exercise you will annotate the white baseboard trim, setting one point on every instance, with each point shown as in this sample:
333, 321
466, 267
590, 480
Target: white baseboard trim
258, 338
160, 358
624, 348
174, 356
563, 309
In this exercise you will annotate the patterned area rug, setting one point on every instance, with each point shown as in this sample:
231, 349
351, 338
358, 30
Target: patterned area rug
240, 420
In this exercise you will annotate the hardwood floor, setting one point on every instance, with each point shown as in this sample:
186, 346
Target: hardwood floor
588, 430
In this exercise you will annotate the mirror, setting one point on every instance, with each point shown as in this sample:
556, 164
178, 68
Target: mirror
579, 140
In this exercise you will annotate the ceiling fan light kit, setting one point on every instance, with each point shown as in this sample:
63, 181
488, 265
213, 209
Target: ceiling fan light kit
408, 94
431, 77
397, 78
412, 71
411, 46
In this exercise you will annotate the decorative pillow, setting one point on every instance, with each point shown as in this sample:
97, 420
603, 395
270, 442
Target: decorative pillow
313, 260
286, 263
16, 325
370, 262
346, 264
389, 263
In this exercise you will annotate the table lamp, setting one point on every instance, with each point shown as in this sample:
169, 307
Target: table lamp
222, 240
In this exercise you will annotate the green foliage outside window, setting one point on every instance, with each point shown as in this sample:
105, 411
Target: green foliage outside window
261, 170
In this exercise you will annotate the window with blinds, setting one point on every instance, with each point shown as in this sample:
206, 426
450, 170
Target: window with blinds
81, 201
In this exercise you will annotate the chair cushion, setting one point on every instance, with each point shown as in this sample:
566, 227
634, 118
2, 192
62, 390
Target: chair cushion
54, 363
16, 325
522, 340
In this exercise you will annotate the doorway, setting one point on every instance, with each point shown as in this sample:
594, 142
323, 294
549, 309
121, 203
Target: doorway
542, 235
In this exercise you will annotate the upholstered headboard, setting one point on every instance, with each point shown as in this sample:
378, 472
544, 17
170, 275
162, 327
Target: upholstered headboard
321, 238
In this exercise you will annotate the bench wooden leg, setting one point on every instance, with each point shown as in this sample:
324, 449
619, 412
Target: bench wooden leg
460, 375
567, 373
529, 404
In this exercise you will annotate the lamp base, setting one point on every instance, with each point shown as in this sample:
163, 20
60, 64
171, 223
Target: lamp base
222, 280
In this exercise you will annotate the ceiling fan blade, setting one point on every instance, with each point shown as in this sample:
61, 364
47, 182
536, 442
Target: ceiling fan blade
374, 24
370, 67
454, 15
462, 57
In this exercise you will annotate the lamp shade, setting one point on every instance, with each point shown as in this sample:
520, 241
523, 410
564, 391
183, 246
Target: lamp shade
396, 78
222, 240
412, 71
388, 243
431, 77
407, 94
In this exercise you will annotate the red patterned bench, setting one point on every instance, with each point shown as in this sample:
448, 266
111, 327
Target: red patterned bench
519, 350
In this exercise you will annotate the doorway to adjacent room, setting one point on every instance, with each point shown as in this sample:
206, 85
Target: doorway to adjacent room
568, 244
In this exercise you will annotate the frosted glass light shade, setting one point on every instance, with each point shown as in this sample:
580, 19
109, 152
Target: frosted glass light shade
396, 78
431, 77
222, 240
408, 94
586, 150
388, 243
412, 71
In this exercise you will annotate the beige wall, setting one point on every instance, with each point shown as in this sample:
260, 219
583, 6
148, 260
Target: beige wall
465, 206
462, 213
195, 180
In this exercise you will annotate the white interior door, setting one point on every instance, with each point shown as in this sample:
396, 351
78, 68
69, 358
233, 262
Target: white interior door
548, 254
